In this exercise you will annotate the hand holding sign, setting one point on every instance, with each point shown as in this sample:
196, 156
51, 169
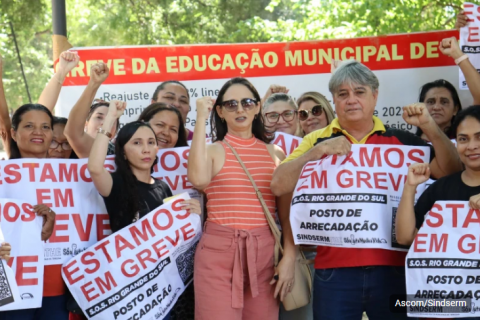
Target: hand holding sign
48, 220
462, 20
418, 173
204, 107
116, 108
99, 73
474, 202
450, 47
417, 115
192, 206
5, 250
337, 146
68, 61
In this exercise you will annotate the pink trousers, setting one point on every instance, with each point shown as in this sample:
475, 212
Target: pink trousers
233, 270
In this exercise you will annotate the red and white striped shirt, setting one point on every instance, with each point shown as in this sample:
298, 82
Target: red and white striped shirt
232, 201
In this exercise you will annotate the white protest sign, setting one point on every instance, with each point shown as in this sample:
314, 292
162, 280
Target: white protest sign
139, 271
470, 39
172, 168
351, 201
65, 186
22, 230
287, 142
444, 261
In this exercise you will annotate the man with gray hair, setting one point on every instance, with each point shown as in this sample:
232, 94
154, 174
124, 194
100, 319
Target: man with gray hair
349, 281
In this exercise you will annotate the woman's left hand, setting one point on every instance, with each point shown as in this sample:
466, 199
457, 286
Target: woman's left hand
286, 276
192, 206
5, 250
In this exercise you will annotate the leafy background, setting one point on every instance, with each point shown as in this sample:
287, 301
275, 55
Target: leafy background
136, 22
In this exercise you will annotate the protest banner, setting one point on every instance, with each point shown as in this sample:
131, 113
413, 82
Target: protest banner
351, 201
172, 168
403, 63
443, 262
66, 187
139, 271
287, 142
22, 229
470, 39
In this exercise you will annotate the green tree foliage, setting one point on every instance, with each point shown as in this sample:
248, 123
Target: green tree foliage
166, 22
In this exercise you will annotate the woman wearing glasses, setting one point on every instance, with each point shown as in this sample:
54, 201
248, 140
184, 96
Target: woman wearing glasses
280, 112
234, 271
314, 111
59, 147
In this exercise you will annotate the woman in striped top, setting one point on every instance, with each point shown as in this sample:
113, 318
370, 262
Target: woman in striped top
234, 271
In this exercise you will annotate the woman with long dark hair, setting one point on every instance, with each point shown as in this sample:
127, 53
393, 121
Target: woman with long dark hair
440, 96
31, 137
167, 123
461, 186
234, 267
130, 192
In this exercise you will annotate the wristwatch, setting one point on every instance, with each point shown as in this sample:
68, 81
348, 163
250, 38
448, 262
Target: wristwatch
108, 134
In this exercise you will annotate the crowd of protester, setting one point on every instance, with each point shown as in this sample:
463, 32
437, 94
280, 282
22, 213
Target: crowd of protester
242, 120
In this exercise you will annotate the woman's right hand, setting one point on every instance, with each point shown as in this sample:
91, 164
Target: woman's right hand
116, 108
418, 173
450, 47
67, 61
204, 107
99, 73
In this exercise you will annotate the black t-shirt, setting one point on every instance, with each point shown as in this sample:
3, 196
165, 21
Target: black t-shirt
444, 189
151, 196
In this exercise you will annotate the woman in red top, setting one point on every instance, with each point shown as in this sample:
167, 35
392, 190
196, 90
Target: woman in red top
234, 269
31, 138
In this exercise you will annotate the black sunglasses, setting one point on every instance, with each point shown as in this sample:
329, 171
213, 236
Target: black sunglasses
232, 105
316, 112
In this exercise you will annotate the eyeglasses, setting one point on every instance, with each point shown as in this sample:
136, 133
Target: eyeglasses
316, 112
287, 115
232, 105
65, 145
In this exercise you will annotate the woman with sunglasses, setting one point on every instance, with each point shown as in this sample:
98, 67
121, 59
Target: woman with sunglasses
280, 112
234, 271
314, 111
